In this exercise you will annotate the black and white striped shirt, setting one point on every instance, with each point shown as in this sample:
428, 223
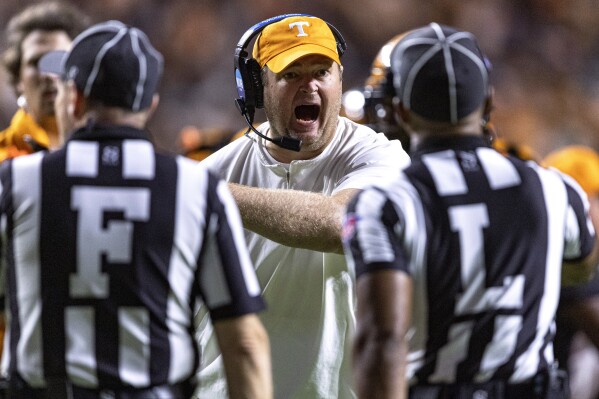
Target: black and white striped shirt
483, 237
107, 248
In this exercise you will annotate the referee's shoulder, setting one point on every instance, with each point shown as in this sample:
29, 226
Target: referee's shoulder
556, 176
29, 160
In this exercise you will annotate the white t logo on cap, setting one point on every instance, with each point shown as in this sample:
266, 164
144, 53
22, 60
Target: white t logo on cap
300, 27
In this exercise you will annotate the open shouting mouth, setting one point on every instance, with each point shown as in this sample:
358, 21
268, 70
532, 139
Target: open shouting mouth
307, 113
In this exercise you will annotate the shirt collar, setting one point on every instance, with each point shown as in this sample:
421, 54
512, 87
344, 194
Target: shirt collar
94, 132
454, 142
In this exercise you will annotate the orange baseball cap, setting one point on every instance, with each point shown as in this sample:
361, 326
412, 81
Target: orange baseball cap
289, 39
579, 162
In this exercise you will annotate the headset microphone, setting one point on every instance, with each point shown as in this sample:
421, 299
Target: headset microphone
288, 143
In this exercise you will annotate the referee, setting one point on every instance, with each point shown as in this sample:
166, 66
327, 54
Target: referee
458, 262
108, 246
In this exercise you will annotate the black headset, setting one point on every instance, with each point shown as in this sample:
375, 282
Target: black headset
247, 70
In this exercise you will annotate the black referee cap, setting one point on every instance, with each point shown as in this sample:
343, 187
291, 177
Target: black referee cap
110, 62
440, 73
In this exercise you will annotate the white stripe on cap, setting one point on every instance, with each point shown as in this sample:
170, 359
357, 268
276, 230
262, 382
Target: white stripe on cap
109, 26
451, 80
143, 69
402, 46
143, 39
468, 53
148, 46
99, 57
137, 37
424, 58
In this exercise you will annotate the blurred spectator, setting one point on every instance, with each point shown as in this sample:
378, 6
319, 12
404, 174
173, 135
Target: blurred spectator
31, 34
521, 151
577, 340
372, 104
199, 143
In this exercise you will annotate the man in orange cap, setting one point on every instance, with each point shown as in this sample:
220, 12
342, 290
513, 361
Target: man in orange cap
294, 175
578, 313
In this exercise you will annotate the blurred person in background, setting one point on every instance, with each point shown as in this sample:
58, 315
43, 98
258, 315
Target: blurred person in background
198, 144
372, 104
577, 339
519, 150
36, 30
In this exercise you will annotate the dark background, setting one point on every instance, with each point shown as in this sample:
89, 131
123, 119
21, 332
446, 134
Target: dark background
545, 56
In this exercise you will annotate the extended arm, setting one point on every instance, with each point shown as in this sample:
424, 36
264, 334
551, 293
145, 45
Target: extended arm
246, 355
380, 345
294, 218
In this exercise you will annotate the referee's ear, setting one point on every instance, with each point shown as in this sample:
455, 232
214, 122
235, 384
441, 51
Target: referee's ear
145, 114
402, 115
489, 101
153, 106
78, 104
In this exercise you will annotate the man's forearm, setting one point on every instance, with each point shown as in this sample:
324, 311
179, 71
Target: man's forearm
294, 218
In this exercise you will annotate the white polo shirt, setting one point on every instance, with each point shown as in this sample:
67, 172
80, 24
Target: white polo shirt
309, 294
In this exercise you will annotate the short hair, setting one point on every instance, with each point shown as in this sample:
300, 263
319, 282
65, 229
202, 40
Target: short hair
46, 16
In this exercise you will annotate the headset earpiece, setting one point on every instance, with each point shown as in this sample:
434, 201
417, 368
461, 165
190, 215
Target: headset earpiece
241, 83
249, 86
255, 75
